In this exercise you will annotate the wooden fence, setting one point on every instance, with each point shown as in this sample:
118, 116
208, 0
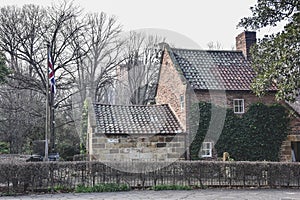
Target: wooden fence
44, 176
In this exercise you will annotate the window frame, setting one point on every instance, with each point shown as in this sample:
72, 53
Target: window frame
209, 150
240, 107
181, 102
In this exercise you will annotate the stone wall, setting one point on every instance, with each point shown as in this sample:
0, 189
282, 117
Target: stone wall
293, 136
138, 148
286, 148
295, 126
171, 86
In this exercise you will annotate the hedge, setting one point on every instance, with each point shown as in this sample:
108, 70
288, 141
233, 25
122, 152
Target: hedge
23, 178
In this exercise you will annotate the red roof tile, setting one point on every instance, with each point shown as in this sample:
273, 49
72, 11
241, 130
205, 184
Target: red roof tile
215, 70
136, 119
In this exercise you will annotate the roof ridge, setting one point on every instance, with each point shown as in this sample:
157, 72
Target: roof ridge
208, 50
115, 105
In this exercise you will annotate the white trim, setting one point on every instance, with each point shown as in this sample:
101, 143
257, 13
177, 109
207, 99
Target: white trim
181, 102
206, 149
240, 105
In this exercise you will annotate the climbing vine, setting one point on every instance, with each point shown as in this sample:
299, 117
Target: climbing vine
255, 136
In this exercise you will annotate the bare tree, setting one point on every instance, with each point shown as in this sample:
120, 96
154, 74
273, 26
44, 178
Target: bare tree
22, 117
101, 61
23, 34
96, 70
20, 42
85, 53
139, 73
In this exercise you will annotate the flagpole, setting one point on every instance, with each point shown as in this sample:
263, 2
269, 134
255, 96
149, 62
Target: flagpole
52, 122
51, 108
47, 105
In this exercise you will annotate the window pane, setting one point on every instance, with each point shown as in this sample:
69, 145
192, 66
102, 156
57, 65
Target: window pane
239, 102
181, 98
207, 145
236, 109
207, 152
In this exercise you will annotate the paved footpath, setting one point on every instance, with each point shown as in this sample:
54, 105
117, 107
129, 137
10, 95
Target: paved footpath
209, 194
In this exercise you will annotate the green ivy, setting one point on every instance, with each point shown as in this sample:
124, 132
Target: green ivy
255, 136
205, 115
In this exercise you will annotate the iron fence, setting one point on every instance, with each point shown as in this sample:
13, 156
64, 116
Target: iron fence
46, 176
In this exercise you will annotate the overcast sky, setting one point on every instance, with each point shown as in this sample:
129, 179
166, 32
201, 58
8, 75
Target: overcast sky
188, 23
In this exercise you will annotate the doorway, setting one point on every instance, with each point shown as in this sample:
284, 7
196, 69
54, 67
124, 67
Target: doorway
296, 148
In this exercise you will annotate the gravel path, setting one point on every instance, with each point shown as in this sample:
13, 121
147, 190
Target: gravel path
209, 194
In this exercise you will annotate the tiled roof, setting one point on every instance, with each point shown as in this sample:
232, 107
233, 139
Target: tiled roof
215, 70
133, 119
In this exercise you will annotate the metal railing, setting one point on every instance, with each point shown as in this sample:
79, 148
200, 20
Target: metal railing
45, 176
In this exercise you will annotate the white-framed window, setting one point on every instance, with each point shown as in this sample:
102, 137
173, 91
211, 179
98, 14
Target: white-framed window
181, 102
206, 149
238, 106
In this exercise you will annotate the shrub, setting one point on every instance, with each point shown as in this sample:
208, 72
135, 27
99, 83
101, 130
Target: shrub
171, 187
103, 187
4, 148
61, 189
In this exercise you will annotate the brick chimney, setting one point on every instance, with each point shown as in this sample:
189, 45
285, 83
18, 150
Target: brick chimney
244, 41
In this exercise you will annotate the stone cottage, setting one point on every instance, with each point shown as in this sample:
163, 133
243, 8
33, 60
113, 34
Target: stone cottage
221, 77
134, 133
161, 132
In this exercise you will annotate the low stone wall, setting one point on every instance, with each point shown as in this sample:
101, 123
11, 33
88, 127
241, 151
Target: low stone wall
138, 148
4, 158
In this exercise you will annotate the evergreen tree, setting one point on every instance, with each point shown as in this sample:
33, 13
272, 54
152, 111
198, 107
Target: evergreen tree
3, 69
276, 57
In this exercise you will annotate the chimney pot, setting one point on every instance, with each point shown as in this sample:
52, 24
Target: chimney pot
244, 41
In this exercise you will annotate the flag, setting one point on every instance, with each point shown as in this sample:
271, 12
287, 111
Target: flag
51, 73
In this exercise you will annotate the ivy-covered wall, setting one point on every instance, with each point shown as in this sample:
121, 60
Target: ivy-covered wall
256, 135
